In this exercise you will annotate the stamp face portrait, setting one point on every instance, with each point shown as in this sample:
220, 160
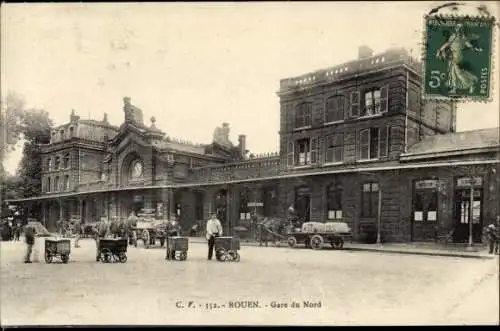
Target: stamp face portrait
458, 58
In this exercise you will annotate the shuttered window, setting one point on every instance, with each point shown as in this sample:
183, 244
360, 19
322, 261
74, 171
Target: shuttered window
355, 104
303, 115
334, 148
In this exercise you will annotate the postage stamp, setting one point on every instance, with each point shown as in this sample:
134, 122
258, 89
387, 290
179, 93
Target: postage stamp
458, 57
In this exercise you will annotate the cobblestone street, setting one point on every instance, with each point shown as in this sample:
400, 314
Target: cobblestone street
349, 288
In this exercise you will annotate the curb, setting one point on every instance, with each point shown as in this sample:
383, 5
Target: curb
471, 255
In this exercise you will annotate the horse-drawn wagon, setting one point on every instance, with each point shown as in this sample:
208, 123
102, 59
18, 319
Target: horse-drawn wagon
315, 234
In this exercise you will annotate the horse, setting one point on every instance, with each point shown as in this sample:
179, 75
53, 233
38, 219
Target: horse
269, 228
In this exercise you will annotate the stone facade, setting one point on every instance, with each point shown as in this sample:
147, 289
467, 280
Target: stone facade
350, 136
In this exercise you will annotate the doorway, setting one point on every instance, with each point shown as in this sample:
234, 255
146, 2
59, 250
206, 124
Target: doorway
463, 215
302, 204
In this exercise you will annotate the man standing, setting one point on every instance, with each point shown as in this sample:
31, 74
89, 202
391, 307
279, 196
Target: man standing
492, 233
29, 233
214, 229
102, 230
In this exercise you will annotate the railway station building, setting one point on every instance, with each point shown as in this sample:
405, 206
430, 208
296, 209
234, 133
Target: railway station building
358, 144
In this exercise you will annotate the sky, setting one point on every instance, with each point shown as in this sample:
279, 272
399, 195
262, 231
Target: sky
195, 65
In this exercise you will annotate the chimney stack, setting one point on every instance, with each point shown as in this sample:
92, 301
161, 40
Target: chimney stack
242, 144
364, 52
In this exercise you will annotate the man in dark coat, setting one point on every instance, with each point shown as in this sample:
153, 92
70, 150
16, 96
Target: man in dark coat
492, 233
29, 233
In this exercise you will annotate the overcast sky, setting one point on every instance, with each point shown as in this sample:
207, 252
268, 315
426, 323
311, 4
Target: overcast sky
193, 66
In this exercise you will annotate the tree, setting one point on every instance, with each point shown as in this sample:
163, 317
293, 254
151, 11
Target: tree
33, 126
36, 126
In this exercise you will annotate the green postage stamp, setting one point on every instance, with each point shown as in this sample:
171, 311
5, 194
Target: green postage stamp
458, 57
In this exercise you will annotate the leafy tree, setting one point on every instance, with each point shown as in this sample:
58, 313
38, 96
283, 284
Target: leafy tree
33, 126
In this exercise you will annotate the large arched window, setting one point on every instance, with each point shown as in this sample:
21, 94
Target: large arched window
136, 170
51, 164
61, 133
48, 188
71, 131
66, 183
57, 163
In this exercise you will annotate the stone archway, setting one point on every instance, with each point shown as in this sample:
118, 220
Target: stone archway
132, 168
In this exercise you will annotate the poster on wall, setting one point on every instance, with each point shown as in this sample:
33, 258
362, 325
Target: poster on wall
419, 216
431, 216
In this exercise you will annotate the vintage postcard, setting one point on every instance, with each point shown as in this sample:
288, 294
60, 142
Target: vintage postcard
259, 163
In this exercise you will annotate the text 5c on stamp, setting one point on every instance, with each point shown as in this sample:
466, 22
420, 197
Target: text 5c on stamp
458, 57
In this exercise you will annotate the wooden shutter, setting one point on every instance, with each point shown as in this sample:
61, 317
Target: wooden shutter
290, 154
355, 104
384, 98
314, 149
383, 141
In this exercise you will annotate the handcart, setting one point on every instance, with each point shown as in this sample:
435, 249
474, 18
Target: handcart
226, 249
177, 248
112, 250
57, 248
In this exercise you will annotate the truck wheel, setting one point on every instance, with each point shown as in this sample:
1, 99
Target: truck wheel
337, 243
316, 242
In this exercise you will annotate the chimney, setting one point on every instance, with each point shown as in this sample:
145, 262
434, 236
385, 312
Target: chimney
105, 118
242, 144
364, 52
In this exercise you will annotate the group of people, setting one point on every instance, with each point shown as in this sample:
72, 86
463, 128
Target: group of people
11, 227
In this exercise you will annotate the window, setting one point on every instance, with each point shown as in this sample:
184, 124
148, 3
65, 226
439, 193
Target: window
375, 102
56, 184
334, 202
372, 103
425, 201
304, 152
369, 144
369, 199
48, 184
66, 183
50, 164
290, 154
335, 108
334, 148
53, 136
71, 131
57, 163
61, 134
303, 115
66, 161
354, 107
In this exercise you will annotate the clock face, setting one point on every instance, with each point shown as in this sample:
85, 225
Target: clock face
137, 169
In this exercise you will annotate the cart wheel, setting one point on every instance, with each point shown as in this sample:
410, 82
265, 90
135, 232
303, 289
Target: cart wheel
183, 256
292, 242
48, 257
65, 258
337, 243
222, 258
122, 258
316, 242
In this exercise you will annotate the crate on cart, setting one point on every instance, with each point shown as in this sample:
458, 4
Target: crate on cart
57, 248
177, 248
226, 248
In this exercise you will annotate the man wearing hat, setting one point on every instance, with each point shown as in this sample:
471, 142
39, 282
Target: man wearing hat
492, 234
214, 229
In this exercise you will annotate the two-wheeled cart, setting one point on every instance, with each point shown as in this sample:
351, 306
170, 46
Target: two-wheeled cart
226, 249
60, 248
177, 248
112, 250
334, 233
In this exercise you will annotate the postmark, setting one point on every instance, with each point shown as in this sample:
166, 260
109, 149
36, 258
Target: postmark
458, 58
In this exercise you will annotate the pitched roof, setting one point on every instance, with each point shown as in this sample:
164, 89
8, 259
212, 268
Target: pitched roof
456, 142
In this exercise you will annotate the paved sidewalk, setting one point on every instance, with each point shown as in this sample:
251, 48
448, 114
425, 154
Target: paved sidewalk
451, 250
